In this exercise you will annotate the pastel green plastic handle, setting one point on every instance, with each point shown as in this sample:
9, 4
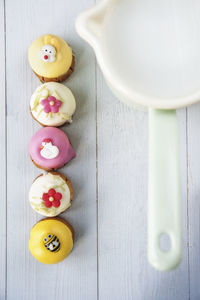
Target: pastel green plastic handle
164, 213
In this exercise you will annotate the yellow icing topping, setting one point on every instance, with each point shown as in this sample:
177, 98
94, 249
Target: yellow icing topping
40, 231
53, 69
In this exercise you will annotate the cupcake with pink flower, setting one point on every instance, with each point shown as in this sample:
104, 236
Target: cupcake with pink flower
51, 194
52, 104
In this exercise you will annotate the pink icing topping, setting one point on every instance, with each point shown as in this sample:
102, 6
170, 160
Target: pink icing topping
51, 104
59, 139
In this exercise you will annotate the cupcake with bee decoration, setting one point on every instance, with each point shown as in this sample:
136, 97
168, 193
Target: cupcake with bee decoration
51, 240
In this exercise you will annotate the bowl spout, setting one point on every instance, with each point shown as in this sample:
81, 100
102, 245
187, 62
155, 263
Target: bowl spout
89, 23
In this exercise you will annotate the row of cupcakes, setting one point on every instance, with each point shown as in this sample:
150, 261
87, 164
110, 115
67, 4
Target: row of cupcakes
51, 105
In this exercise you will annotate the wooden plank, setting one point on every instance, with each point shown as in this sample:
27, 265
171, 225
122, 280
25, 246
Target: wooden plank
2, 156
193, 198
76, 277
124, 272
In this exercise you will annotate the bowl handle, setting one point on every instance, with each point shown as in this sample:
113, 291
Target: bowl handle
164, 213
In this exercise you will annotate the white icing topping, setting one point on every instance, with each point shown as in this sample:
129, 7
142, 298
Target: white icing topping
44, 93
49, 151
48, 53
60, 92
40, 186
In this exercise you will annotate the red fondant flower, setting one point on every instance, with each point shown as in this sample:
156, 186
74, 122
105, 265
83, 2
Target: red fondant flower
52, 198
51, 104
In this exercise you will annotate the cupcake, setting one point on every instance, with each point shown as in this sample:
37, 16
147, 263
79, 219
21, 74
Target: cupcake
51, 58
51, 240
52, 104
51, 194
50, 149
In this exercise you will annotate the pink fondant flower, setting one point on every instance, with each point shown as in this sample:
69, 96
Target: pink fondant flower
52, 198
51, 104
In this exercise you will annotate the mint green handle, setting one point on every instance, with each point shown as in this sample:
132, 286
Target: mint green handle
164, 213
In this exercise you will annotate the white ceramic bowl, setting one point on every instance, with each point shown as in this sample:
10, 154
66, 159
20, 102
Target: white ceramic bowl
149, 53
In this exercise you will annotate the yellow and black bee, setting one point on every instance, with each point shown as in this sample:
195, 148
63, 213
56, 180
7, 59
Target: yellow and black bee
52, 243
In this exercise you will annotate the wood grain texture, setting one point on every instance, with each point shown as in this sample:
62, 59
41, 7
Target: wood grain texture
75, 277
2, 156
194, 198
109, 176
124, 272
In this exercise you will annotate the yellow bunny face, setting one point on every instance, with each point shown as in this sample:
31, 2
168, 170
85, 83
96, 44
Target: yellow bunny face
50, 56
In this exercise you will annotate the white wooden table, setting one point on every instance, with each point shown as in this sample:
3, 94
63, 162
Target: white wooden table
109, 176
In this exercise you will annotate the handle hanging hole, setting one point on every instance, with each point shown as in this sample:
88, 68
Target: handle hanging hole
165, 242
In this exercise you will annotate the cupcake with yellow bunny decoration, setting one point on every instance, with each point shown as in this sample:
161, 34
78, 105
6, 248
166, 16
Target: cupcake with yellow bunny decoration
51, 58
51, 240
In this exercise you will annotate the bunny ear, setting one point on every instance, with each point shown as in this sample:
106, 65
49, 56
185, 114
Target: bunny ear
55, 42
47, 39
51, 40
